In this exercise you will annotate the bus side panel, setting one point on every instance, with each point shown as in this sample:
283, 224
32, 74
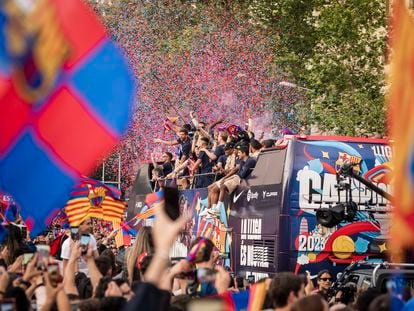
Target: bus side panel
313, 185
245, 232
255, 222
215, 228
193, 201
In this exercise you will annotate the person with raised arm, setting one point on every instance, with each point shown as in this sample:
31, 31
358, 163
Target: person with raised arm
183, 140
148, 295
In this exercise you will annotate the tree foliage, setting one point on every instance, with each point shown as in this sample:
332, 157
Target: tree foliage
336, 49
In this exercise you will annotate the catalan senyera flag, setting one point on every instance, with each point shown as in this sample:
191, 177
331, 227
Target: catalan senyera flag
401, 118
147, 214
97, 200
120, 238
148, 211
123, 237
66, 94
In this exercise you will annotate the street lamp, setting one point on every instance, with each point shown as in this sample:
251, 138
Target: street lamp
314, 127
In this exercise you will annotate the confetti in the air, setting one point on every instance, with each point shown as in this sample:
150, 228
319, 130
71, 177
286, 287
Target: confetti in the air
187, 57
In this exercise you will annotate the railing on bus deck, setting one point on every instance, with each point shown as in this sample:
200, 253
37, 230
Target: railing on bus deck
191, 178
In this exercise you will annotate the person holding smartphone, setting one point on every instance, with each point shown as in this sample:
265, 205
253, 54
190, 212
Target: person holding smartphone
205, 263
84, 229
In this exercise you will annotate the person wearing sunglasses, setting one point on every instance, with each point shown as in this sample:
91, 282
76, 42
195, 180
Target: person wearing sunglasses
324, 281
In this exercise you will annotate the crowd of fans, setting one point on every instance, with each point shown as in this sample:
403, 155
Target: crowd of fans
93, 276
81, 268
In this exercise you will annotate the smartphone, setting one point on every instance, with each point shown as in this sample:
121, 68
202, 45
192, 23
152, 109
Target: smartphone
205, 275
172, 207
74, 233
54, 275
251, 279
26, 258
224, 256
43, 257
84, 242
53, 268
202, 275
85, 239
8, 304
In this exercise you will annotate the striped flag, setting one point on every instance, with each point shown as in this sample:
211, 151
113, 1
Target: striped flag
94, 200
249, 300
122, 237
401, 119
148, 211
147, 214
257, 296
127, 229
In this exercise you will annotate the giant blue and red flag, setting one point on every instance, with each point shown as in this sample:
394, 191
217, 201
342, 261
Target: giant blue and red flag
65, 97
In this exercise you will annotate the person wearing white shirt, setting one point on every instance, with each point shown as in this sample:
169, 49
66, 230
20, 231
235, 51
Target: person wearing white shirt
84, 228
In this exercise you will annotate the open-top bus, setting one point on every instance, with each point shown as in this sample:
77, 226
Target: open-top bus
270, 222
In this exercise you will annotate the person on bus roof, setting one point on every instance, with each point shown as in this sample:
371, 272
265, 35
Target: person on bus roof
184, 141
231, 181
203, 165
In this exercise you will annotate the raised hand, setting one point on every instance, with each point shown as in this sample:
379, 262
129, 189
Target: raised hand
222, 280
31, 269
113, 290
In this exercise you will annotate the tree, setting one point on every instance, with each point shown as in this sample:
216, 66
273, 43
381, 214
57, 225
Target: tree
337, 50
